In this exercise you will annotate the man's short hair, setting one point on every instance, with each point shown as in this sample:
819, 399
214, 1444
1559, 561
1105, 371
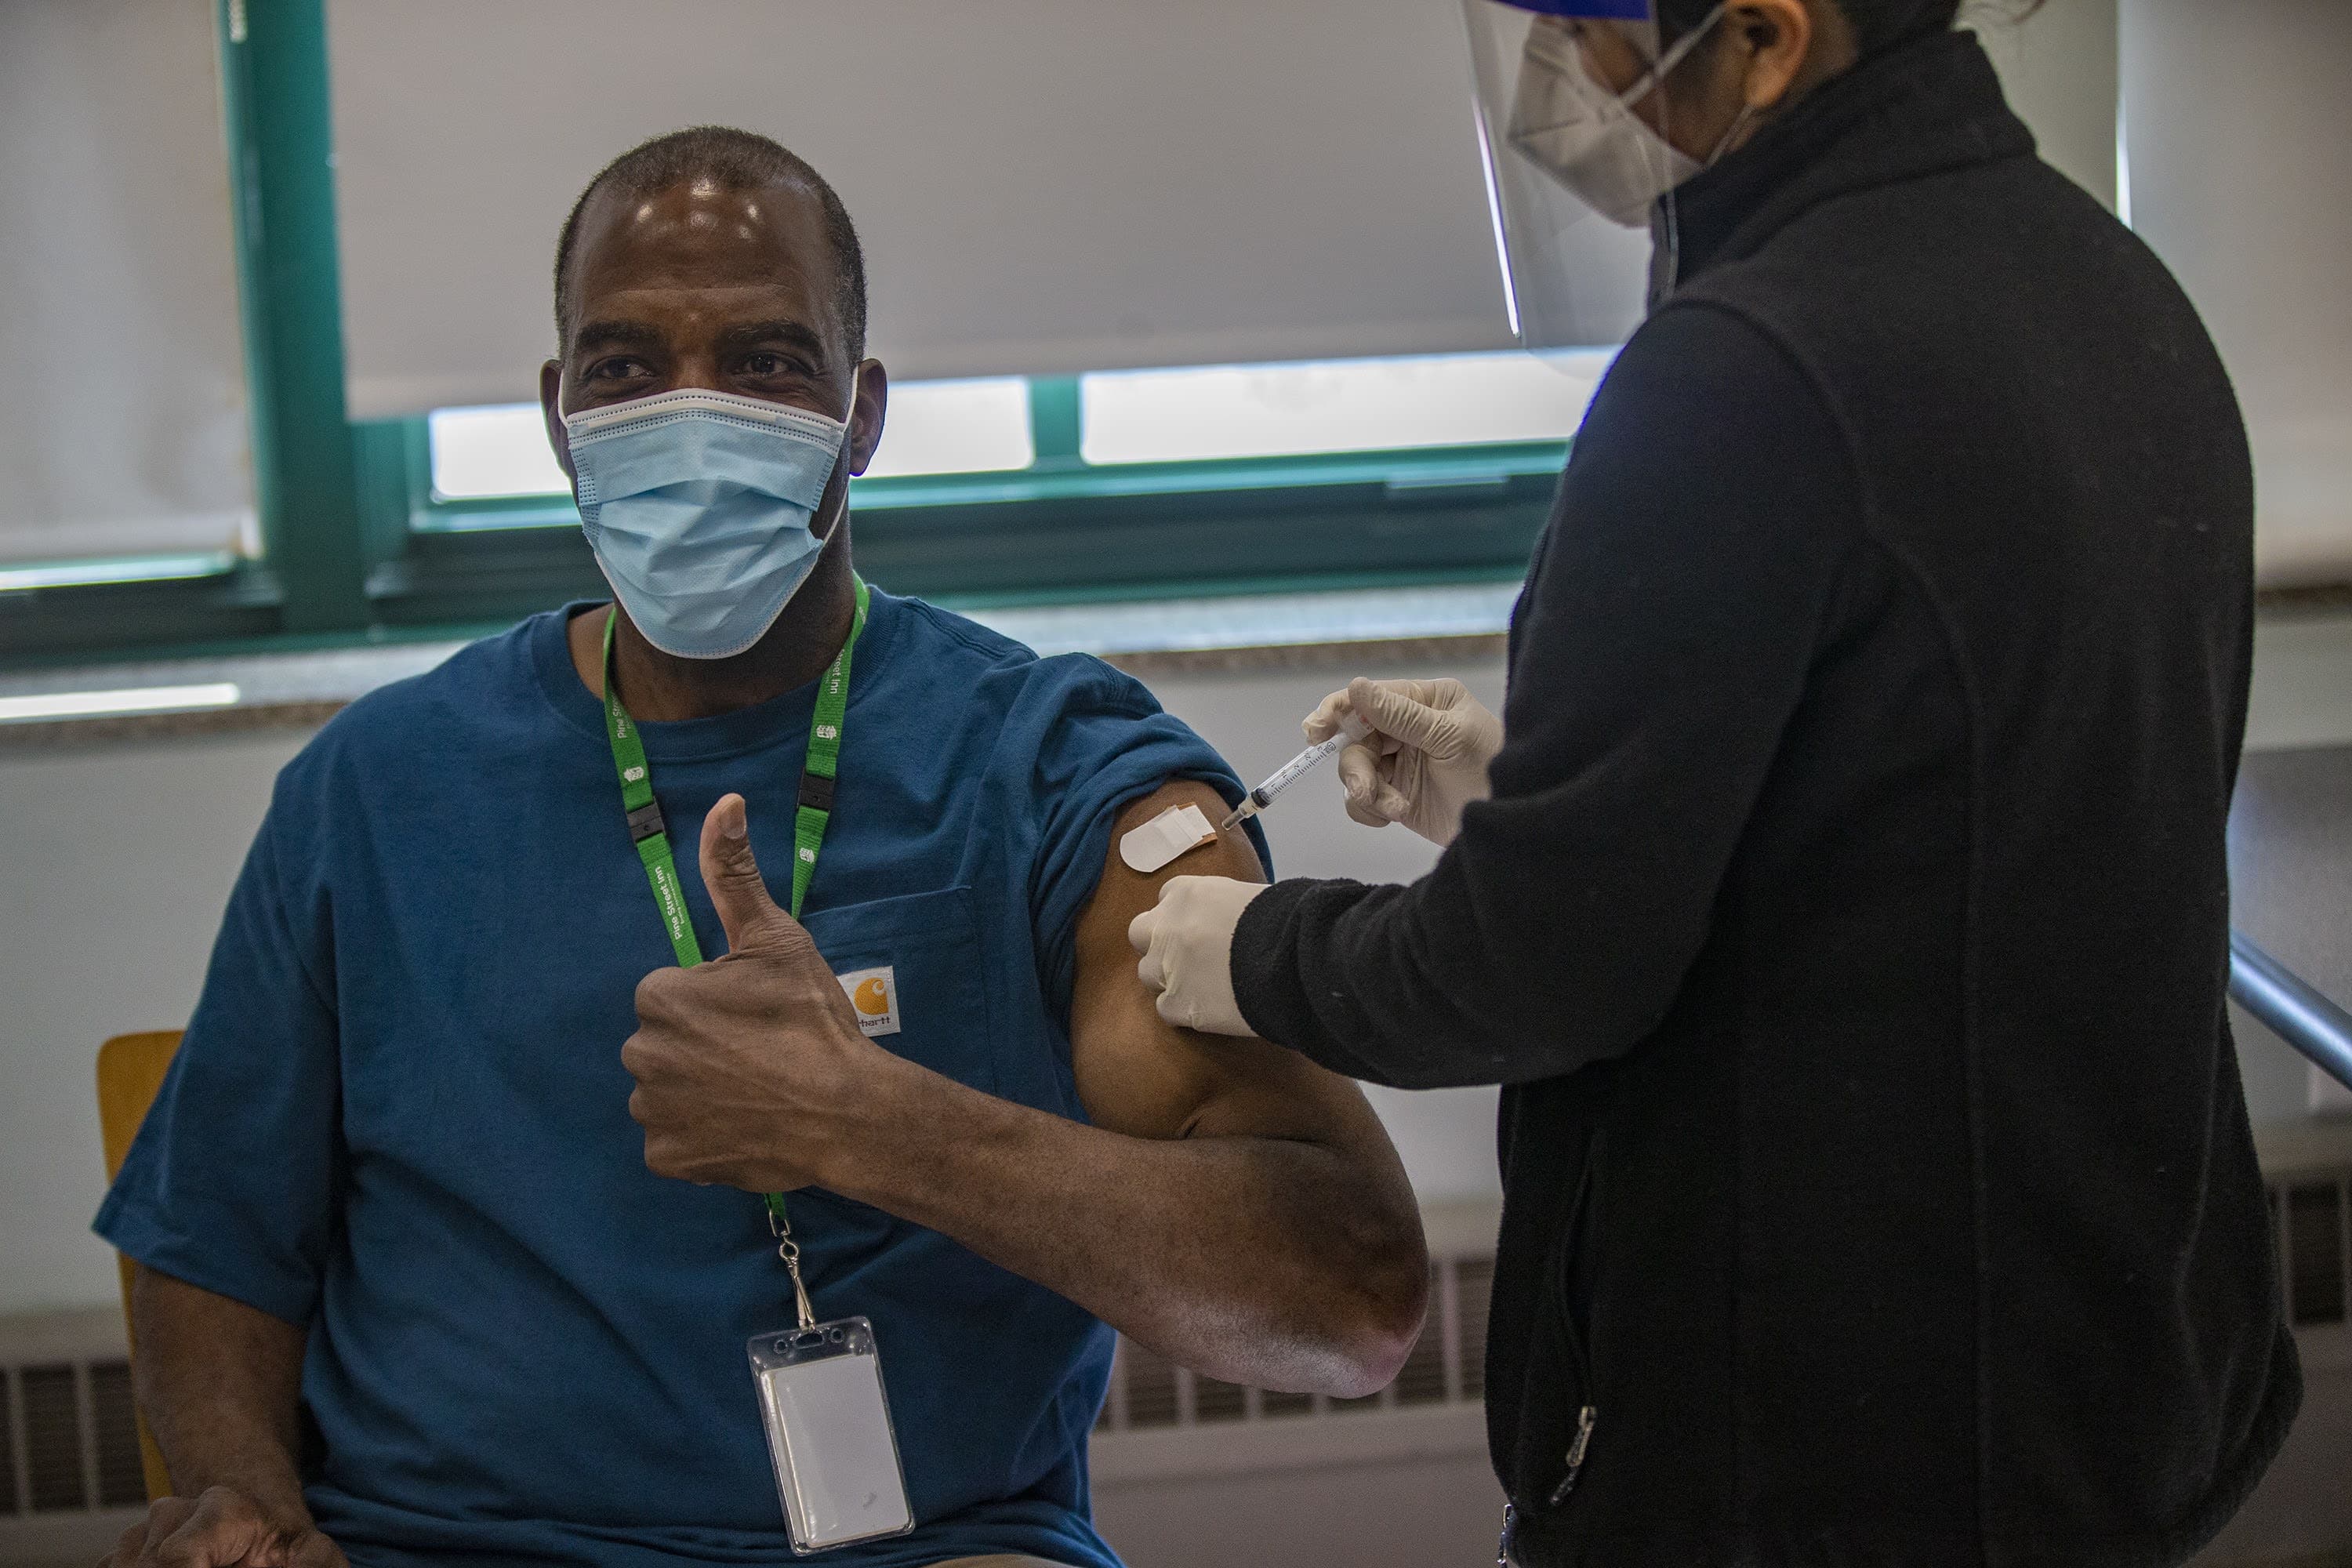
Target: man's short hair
739, 160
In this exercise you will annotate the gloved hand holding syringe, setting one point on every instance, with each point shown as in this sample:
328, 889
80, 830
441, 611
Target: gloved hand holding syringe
1425, 760
1425, 746
1352, 728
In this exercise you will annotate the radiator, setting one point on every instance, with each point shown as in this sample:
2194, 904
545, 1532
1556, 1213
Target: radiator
70, 1480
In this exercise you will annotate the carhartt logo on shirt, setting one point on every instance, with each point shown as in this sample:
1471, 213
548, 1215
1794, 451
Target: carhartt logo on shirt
873, 994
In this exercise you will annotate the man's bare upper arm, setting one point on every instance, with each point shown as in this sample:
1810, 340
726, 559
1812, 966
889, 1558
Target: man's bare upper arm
1140, 1075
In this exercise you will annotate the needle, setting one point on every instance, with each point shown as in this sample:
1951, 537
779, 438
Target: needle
1351, 729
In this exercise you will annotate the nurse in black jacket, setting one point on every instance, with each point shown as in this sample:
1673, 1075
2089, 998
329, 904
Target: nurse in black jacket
1847, 916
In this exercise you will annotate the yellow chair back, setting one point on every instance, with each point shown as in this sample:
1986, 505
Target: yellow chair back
131, 1068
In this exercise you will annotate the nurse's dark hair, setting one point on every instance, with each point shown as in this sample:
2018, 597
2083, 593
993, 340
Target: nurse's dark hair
1878, 24
739, 160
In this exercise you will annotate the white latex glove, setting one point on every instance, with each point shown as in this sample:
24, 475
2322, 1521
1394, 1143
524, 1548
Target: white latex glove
1427, 756
1187, 943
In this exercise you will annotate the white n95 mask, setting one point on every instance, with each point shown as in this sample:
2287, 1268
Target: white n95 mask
698, 505
1587, 137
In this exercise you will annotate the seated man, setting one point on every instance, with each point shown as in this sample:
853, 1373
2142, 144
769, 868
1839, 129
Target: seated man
413, 1285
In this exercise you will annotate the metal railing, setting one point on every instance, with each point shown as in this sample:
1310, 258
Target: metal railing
2291, 1008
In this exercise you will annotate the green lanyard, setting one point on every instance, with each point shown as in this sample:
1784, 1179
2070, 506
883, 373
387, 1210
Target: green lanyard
817, 775
652, 836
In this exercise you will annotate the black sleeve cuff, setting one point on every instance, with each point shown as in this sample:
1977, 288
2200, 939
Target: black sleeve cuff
1269, 982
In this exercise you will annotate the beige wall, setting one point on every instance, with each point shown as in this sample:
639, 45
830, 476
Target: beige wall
121, 858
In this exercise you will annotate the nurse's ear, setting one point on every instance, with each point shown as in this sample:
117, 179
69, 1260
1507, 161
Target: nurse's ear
1770, 41
1765, 56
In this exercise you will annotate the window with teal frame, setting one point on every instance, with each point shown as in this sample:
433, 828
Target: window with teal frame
1186, 506
1131, 484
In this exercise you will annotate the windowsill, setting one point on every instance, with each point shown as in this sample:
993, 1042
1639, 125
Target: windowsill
2302, 687
1148, 637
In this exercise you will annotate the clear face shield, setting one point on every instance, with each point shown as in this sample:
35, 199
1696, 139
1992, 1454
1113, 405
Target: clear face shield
1573, 174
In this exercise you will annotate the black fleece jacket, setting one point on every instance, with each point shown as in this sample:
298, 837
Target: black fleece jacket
1849, 921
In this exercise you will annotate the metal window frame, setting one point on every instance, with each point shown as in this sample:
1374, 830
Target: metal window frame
356, 548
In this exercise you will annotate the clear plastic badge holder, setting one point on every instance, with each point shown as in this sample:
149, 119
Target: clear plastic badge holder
829, 1432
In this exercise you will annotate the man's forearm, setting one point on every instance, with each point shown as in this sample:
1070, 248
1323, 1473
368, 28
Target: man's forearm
220, 1384
1257, 1260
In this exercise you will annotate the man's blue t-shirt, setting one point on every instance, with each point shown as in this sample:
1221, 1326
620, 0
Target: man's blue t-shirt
400, 1117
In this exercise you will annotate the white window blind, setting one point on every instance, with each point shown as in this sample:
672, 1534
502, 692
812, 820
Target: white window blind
2240, 166
1044, 186
2058, 67
126, 430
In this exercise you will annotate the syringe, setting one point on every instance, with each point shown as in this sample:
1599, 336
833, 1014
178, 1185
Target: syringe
1351, 729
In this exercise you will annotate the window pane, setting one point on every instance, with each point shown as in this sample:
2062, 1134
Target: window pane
955, 428
932, 427
1335, 406
479, 453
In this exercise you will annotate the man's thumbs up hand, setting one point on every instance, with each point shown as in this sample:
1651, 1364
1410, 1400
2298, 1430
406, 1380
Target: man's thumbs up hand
751, 1070
750, 916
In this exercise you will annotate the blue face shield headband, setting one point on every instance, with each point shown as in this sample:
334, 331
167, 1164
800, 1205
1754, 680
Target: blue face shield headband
1598, 10
699, 506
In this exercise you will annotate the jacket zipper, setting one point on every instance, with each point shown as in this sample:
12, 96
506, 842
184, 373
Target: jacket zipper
1587, 1414
1584, 1419
1582, 1220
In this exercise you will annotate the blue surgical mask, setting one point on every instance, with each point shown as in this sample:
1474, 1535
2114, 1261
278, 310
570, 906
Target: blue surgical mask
698, 505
